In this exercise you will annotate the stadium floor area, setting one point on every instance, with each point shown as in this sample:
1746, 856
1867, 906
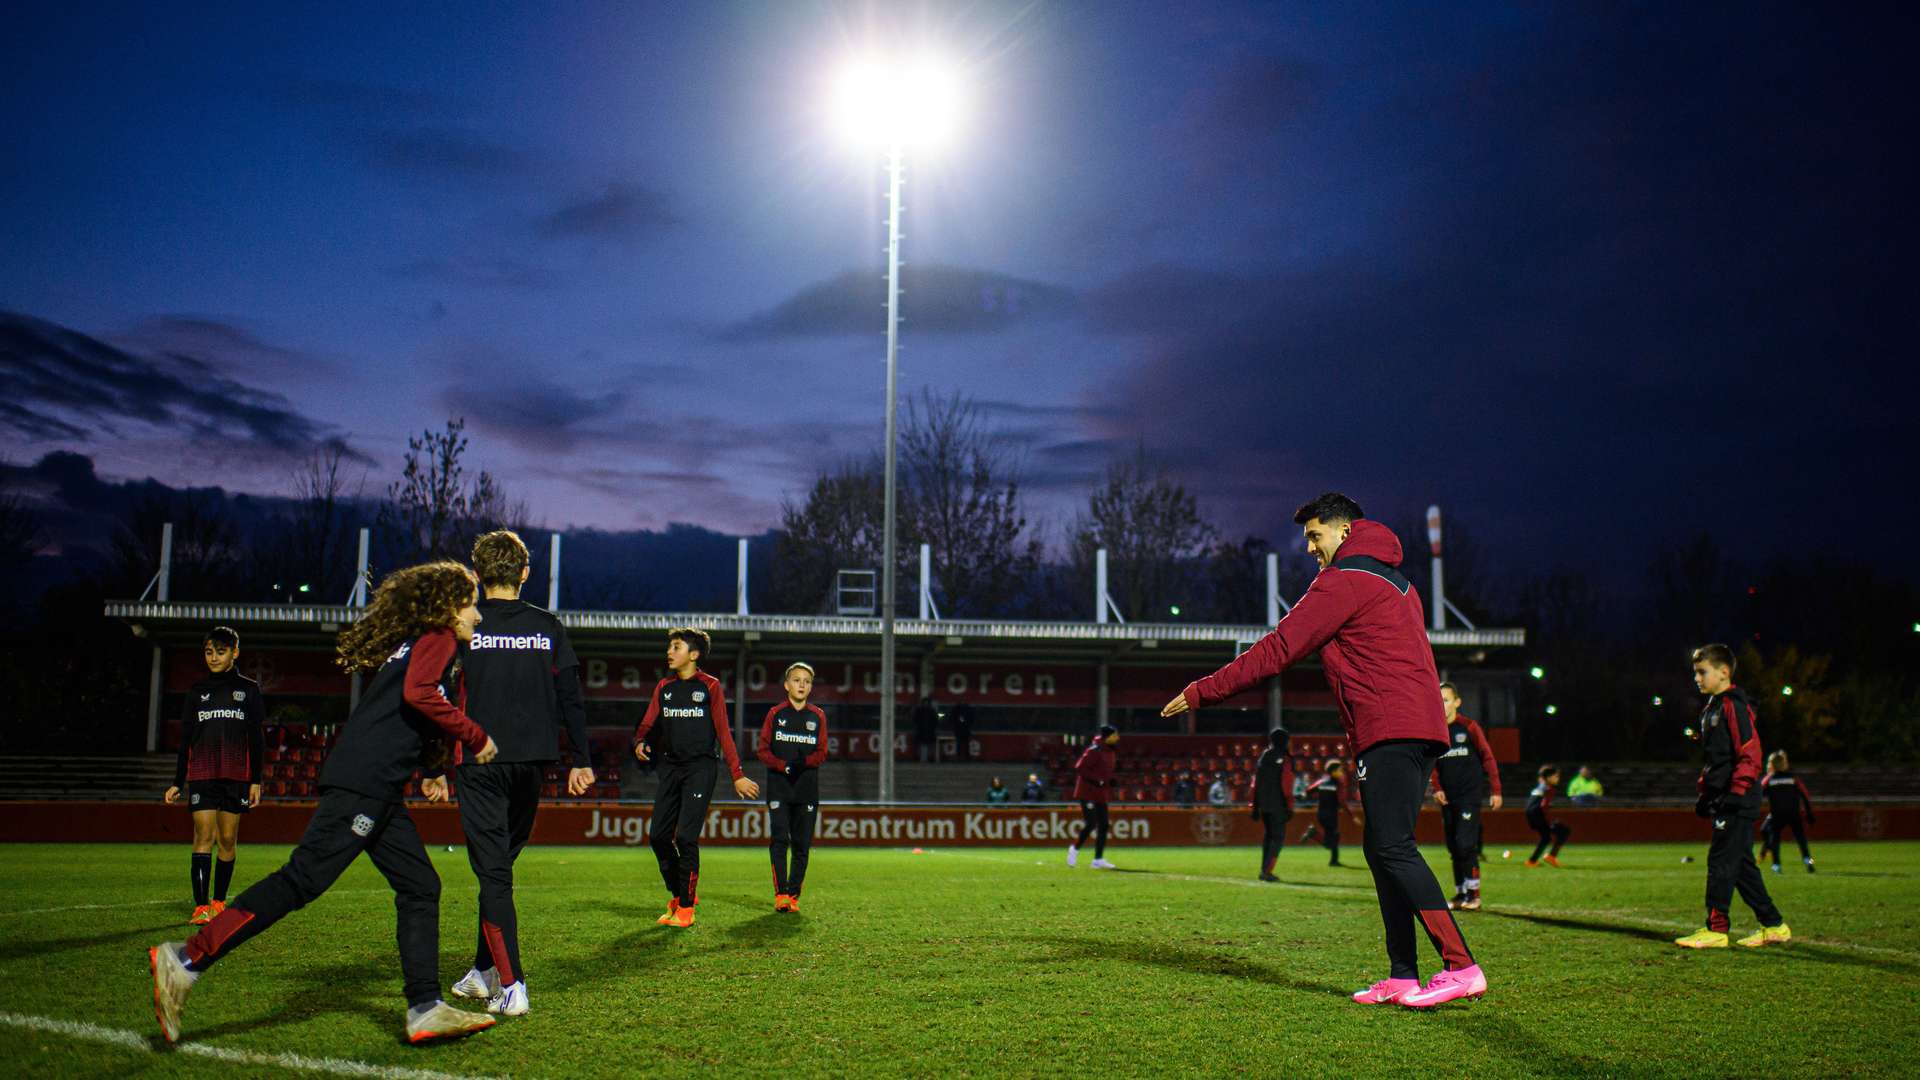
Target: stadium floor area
991, 962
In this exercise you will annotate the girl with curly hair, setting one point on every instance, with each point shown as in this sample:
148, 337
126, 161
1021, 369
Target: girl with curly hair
410, 639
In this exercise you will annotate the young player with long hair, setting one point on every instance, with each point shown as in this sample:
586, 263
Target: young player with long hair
793, 746
223, 750
409, 637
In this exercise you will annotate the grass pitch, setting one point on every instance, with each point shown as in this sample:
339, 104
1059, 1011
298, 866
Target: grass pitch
988, 962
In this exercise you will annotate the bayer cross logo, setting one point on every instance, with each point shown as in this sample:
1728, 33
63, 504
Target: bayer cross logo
1210, 828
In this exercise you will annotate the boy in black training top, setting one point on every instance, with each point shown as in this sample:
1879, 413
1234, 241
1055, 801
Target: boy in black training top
1539, 801
523, 684
793, 746
1729, 732
1785, 796
1272, 802
691, 743
1331, 791
411, 634
223, 751
1465, 776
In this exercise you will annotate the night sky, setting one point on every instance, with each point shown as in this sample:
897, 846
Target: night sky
1593, 277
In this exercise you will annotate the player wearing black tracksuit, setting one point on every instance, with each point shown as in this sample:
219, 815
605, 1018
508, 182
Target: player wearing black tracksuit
1730, 798
793, 746
1273, 799
1785, 796
686, 724
1539, 801
1467, 776
523, 685
410, 706
1331, 791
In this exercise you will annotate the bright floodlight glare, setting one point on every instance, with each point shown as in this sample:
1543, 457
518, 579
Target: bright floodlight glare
907, 104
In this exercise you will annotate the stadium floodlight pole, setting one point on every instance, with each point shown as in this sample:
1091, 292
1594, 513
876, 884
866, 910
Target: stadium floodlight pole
894, 104
888, 529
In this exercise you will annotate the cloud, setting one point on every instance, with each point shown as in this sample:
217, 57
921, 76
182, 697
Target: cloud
478, 271
623, 210
934, 299
227, 344
532, 412
63, 384
442, 151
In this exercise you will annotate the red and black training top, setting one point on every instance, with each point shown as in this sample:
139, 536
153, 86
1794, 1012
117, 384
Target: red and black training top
1273, 783
793, 736
1093, 774
1730, 732
687, 721
1467, 770
413, 702
1364, 618
1331, 790
222, 731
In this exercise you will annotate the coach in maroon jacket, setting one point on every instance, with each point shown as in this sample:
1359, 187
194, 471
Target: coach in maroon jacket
1092, 786
1367, 623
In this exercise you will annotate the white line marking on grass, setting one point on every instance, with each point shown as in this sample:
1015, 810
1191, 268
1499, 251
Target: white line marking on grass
148, 903
1492, 909
133, 1040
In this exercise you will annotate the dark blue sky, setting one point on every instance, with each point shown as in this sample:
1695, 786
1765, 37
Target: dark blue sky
1590, 276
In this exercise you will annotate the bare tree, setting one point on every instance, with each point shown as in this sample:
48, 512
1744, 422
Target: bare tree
1154, 536
432, 512
963, 498
206, 544
837, 527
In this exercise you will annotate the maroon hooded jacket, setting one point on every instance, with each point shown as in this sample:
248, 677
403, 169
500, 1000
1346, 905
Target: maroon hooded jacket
1093, 773
1366, 621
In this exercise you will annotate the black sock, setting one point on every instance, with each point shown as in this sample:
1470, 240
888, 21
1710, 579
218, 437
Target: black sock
202, 869
222, 877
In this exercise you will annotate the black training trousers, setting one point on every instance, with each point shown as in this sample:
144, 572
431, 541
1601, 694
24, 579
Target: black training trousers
497, 804
1460, 819
344, 824
1275, 825
1554, 833
793, 806
679, 815
1329, 831
1730, 865
1093, 819
1775, 827
1393, 784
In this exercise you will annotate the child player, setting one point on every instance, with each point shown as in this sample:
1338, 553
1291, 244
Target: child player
691, 742
1785, 796
523, 685
1539, 800
1092, 779
1730, 797
410, 638
1465, 776
793, 746
222, 753
1330, 790
1272, 801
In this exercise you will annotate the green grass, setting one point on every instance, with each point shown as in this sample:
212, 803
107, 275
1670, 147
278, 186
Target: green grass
996, 963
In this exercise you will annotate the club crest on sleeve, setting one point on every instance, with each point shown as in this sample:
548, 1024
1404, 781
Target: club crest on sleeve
362, 825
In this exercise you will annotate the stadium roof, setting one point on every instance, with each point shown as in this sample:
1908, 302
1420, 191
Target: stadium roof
827, 636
